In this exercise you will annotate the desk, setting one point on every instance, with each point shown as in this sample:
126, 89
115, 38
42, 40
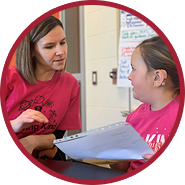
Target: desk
80, 170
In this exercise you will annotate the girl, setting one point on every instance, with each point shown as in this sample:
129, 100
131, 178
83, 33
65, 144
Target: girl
42, 99
155, 82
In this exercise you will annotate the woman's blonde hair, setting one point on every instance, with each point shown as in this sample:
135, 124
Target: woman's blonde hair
24, 61
156, 55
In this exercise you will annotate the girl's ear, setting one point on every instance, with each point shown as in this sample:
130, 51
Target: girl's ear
160, 78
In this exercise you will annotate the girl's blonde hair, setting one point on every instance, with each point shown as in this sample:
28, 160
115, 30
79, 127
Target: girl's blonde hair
156, 55
24, 61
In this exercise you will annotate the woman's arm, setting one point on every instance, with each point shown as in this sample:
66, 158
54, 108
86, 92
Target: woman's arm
51, 153
42, 143
38, 142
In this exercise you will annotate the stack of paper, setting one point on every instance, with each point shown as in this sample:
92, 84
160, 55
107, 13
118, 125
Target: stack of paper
113, 143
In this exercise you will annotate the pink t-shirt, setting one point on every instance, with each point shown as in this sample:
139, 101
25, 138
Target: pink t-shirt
153, 126
58, 99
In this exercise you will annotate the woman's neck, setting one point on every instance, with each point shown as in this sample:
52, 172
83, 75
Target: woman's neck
44, 76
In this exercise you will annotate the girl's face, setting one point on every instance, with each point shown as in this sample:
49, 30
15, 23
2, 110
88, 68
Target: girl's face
141, 79
51, 51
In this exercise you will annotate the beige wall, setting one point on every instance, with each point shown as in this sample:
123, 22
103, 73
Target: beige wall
104, 101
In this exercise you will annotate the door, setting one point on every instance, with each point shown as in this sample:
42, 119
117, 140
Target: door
73, 22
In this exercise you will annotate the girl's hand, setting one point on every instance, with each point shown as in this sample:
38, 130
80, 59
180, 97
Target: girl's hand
26, 119
159, 165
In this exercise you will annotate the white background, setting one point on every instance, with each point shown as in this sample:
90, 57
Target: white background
181, 43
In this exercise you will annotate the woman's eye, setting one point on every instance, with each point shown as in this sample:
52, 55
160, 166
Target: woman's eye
133, 69
49, 47
62, 43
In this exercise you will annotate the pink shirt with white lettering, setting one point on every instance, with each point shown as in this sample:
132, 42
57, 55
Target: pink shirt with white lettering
153, 126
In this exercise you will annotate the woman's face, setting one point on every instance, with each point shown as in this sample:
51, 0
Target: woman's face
51, 52
141, 79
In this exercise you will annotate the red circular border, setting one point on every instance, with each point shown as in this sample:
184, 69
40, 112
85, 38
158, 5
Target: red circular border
181, 77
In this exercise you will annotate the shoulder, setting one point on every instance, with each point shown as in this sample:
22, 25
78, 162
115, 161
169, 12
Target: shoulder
173, 109
13, 81
68, 82
68, 78
141, 110
12, 70
13, 75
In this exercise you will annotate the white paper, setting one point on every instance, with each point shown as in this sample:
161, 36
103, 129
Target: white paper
132, 32
112, 143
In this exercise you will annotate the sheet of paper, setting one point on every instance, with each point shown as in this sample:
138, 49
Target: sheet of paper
108, 144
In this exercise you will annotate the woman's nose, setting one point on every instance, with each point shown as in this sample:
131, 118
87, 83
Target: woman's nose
59, 50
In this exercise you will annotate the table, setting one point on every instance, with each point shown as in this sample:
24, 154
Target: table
80, 170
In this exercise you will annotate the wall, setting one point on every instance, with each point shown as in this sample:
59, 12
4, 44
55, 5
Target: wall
104, 101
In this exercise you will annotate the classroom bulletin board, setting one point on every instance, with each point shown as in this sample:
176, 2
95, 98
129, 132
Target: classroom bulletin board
132, 32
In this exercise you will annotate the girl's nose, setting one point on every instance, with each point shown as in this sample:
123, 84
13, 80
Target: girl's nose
129, 76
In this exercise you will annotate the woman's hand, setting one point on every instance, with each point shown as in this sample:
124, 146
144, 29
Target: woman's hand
49, 153
26, 119
38, 142
159, 165
29, 143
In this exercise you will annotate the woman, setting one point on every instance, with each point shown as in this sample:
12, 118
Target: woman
42, 99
